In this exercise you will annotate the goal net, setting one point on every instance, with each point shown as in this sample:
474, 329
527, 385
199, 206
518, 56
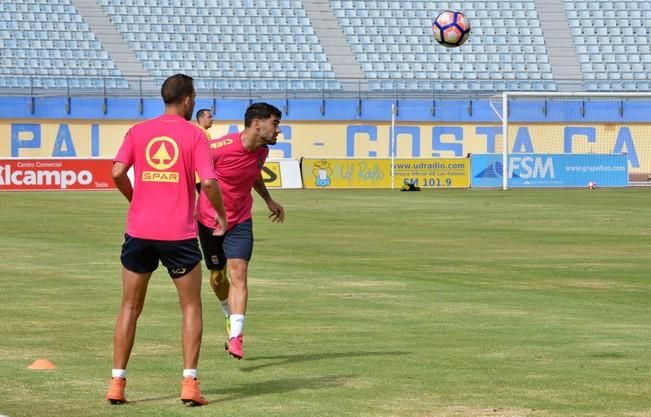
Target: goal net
569, 140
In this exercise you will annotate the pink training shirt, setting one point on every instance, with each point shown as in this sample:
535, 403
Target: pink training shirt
237, 170
165, 153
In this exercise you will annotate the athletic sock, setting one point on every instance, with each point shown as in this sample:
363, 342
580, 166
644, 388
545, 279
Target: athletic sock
226, 308
190, 373
119, 373
237, 325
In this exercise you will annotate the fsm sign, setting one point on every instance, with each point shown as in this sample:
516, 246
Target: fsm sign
531, 167
550, 170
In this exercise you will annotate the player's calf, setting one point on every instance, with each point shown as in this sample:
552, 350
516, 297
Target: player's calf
221, 283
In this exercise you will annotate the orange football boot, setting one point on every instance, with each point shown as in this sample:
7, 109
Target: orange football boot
115, 394
191, 394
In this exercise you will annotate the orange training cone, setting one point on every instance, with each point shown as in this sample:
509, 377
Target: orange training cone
42, 364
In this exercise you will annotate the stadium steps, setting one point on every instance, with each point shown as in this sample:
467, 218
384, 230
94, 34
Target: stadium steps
561, 50
332, 39
114, 44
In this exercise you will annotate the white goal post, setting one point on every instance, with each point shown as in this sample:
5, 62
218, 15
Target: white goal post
588, 134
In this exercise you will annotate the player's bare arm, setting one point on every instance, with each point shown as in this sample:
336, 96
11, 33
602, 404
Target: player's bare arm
277, 211
211, 188
121, 179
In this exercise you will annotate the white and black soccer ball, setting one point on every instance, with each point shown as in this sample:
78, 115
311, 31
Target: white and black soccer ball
451, 29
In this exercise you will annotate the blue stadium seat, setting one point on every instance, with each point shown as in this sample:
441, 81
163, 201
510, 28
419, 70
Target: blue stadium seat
593, 27
242, 28
391, 40
63, 45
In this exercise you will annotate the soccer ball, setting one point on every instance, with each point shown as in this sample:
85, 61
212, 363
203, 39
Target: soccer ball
592, 185
451, 29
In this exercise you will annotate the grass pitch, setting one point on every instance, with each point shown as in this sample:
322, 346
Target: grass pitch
364, 303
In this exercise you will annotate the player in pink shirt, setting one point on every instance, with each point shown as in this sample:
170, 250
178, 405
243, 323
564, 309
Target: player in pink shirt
238, 159
164, 152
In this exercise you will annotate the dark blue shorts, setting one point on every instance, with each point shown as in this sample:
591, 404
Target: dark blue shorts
237, 243
142, 255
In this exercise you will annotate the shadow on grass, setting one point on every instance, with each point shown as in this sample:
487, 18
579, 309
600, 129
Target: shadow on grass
279, 386
150, 400
276, 386
289, 359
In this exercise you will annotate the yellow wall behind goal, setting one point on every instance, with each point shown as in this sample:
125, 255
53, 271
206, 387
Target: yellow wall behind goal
66, 138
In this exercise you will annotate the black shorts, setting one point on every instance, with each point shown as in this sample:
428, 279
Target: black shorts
143, 255
237, 243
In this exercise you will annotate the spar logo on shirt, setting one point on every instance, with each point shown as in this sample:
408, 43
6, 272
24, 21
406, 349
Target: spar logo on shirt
161, 153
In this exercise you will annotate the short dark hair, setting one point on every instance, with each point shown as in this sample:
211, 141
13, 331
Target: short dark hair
201, 112
260, 111
176, 88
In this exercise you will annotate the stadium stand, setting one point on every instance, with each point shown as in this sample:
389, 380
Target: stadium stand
47, 44
271, 45
270, 42
613, 42
393, 42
